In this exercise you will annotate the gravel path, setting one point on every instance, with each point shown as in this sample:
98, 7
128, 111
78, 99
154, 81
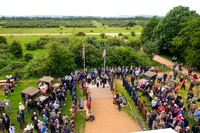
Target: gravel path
170, 64
107, 117
40, 34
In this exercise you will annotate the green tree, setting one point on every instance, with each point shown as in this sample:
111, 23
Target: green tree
132, 33
131, 23
170, 26
187, 42
150, 48
3, 40
16, 49
102, 35
135, 44
60, 59
28, 56
147, 32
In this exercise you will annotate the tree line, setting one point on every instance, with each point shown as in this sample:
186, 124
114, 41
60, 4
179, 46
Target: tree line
175, 34
64, 55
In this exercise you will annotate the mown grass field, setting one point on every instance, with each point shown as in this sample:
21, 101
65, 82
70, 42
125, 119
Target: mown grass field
99, 29
183, 93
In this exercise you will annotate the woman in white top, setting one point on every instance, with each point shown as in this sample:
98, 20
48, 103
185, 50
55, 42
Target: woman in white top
21, 106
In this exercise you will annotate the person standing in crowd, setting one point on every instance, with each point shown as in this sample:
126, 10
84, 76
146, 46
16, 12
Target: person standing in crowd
5, 89
119, 101
2, 126
20, 118
12, 128
183, 83
175, 74
165, 76
6, 121
191, 85
191, 110
30, 106
2, 107
197, 114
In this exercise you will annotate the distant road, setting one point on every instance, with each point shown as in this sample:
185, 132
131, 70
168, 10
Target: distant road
43, 34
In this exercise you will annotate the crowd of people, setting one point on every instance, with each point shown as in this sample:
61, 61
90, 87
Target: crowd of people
167, 105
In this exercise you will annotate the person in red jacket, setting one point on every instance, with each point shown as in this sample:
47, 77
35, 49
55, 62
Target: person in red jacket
157, 68
183, 84
161, 108
176, 89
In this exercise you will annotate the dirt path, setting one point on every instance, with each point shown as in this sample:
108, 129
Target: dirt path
107, 117
170, 64
43, 34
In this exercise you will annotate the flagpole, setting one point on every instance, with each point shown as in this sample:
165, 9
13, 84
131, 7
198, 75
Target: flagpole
105, 61
84, 57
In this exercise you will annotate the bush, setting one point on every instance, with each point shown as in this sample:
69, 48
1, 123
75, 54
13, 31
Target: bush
41, 42
102, 35
3, 40
16, 49
126, 37
80, 34
91, 31
30, 45
12, 65
28, 56
132, 33
120, 34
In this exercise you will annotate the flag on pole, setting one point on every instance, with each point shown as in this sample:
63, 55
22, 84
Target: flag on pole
83, 52
104, 52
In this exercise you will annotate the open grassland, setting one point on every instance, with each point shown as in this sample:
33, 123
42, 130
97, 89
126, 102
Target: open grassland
99, 29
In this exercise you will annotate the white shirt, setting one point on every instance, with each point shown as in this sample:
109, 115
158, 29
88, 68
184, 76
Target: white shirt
21, 107
12, 129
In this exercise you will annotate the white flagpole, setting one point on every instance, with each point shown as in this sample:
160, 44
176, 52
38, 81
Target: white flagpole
105, 61
84, 57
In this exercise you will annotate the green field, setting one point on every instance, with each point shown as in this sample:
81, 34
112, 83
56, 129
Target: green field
99, 29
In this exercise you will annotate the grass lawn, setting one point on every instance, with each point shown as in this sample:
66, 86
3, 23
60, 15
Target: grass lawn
130, 37
16, 98
99, 29
80, 115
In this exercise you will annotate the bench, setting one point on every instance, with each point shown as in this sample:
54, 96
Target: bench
124, 100
80, 103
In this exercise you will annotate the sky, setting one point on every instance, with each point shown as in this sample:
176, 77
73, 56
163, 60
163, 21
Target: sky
93, 7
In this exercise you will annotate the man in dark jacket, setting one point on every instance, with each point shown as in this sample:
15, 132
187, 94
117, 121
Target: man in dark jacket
6, 121
119, 101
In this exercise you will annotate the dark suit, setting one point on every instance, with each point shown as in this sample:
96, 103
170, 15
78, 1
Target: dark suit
6, 121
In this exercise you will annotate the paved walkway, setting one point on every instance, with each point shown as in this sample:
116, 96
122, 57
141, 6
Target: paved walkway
170, 64
107, 117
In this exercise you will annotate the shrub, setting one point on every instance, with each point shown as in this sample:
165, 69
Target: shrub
30, 45
41, 42
126, 37
102, 35
28, 56
3, 40
16, 49
132, 33
80, 34
120, 34
91, 31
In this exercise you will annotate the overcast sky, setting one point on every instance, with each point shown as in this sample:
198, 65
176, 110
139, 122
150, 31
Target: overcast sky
93, 7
